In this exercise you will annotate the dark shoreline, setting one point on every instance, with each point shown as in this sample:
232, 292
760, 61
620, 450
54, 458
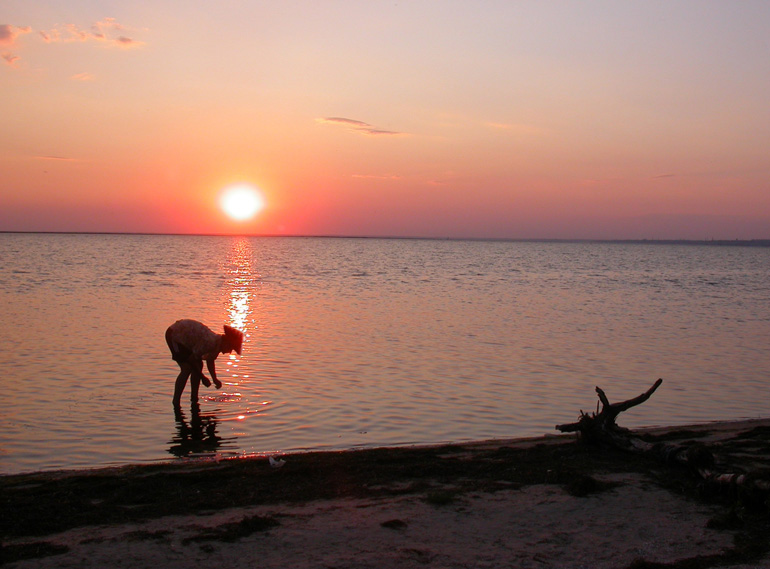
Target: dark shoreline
42, 509
41, 503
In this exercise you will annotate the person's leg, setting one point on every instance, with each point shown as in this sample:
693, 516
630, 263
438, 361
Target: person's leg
197, 371
195, 382
181, 380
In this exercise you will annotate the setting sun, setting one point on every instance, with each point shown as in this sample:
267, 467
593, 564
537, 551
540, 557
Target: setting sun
241, 201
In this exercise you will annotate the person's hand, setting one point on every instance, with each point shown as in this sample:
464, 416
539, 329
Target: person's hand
218, 384
205, 381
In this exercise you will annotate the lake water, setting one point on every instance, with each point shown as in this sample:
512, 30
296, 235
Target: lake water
365, 342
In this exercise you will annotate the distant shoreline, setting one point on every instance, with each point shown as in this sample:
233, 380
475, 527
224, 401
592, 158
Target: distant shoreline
700, 242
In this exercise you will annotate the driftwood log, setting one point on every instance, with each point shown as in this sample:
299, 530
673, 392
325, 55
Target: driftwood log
601, 427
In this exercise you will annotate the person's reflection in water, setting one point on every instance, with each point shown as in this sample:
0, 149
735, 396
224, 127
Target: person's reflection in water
197, 437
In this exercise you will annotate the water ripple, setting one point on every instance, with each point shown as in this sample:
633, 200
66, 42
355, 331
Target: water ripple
354, 343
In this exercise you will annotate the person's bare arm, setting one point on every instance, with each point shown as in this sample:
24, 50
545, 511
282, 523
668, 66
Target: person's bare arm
213, 371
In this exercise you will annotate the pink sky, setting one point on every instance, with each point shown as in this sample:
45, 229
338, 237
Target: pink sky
584, 119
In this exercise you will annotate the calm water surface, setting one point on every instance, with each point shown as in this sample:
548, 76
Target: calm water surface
365, 342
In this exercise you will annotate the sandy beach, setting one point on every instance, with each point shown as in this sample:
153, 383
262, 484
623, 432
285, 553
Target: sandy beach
544, 502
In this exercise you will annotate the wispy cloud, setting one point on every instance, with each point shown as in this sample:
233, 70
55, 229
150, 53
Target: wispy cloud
695, 174
10, 58
343, 121
127, 43
8, 35
103, 27
85, 76
379, 131
723, 174
56, 158
51, 36
360, 127
108, 31
376, 177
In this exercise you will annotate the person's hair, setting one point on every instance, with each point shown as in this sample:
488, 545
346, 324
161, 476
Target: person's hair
234, 338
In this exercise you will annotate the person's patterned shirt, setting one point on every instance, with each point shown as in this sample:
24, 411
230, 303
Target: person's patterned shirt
197, 338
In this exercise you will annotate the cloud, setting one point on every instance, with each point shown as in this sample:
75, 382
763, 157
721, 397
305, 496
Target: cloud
340, 120
376, 177
378, 131
106, 24
10, 58
85, 76
358, 126
127, 43
106, 31
56, 158
77, 34
9, 33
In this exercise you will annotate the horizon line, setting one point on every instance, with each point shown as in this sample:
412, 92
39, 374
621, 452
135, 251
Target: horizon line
765, 242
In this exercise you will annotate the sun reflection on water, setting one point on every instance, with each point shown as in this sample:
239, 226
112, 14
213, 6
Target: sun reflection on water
240, 284
238, 301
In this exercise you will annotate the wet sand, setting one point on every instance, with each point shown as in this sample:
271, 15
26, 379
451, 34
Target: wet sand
544, 502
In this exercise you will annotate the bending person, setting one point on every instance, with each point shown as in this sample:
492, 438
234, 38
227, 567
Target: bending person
190, 343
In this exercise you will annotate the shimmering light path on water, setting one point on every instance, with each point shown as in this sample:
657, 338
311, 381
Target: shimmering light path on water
357, 342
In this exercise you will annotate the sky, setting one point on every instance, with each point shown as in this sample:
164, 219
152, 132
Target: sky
491, 119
